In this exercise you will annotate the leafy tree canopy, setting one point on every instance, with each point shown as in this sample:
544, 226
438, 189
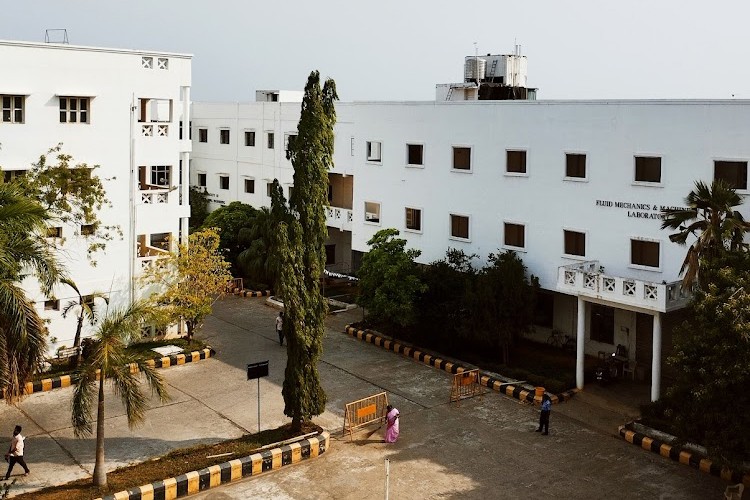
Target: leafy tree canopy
198, 207
229, 220
194, 277
389, 280
72, 194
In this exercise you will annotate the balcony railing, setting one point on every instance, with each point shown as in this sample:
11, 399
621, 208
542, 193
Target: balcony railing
588, 279
340, 218
154, 130
155, 196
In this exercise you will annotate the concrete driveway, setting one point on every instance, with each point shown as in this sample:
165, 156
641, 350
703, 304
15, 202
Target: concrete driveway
484, 449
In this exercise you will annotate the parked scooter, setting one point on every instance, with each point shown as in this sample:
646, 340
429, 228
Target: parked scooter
613, 366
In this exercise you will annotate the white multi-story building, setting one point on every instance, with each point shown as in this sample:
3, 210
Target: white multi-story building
120, 110
575, 187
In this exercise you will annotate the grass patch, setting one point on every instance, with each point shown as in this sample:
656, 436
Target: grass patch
141, 349
173, 464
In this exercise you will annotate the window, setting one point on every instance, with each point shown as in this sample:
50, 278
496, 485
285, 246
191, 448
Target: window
515, 235
330, 194
644, 253
269, 189
269, 140
250, 138
460, 226
575, 243
414, 219
74, 109
190, 130
13, 108
88, 229
160, 240
202, 135
289, 141
374, 149
52, 305
160, 175
224, 136
414, 154
351, 146
54, 232
515, 162
372, 212
733, 173
330, 255
11, 175
648, 169
575, 166
249, 185
162, 63
461, 158
223, 182
602, 324
147, 62
202, 180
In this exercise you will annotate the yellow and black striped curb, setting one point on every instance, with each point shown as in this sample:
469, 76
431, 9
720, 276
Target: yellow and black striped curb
49, 384
227, 472
251, 293
682, 456
453, 366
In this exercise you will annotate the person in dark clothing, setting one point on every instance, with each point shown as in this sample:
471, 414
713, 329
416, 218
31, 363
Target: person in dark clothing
544, 415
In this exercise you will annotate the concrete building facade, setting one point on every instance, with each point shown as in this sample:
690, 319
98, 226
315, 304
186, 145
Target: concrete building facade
121, 110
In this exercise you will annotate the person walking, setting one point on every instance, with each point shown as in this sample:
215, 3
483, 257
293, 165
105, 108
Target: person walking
544, 415
391, 429
15, 452
280, 327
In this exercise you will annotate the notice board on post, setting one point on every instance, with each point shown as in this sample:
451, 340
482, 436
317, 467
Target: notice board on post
257, 370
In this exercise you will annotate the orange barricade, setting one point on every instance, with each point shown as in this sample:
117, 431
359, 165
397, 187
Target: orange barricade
466, 385
364, 412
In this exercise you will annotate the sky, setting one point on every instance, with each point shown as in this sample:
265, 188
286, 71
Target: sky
398, 50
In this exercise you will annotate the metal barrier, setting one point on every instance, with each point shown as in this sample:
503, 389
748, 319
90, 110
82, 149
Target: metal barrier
365, 411
465, 385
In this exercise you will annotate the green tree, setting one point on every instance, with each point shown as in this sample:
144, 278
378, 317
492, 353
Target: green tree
299, 238
85, 310
707, 401
194, 278
256, 261
72, 194
109, 362
501, 301
23, 251
228, 220
198, 207
710, 217
389, 281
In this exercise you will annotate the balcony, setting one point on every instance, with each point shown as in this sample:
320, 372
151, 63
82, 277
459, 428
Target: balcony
588, 280
154, 196
340, 218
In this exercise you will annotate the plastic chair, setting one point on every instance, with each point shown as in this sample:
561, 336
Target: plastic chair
734, 492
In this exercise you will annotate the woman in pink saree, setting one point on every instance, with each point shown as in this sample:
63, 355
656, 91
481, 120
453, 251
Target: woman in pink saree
391, 430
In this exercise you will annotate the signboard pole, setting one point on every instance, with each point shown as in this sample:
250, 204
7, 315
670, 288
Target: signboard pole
256, 371
258, 405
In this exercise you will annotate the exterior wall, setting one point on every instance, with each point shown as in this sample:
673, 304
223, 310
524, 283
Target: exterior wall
236, 160
114, 80
688, 136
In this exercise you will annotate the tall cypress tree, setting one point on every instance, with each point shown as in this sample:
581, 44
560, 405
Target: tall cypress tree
299, 243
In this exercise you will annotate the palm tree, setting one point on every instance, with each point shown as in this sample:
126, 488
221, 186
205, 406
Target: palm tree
110, 361
23, 252
86, 312
711, 218
257, 261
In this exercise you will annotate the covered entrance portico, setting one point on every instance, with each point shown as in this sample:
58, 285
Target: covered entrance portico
641, 304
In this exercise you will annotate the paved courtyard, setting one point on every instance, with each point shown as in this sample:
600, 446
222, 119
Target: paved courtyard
484, 449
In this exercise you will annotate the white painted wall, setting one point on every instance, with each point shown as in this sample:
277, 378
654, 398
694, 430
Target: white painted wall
114, 79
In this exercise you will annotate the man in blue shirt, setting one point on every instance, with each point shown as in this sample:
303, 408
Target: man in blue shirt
544, 415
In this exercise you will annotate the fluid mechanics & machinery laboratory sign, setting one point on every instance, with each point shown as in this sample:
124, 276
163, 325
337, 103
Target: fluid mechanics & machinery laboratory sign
646, 211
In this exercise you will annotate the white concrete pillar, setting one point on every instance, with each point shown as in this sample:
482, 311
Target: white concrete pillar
656, 360
580, 340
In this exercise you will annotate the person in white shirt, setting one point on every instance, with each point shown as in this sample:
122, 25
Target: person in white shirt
15, 452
